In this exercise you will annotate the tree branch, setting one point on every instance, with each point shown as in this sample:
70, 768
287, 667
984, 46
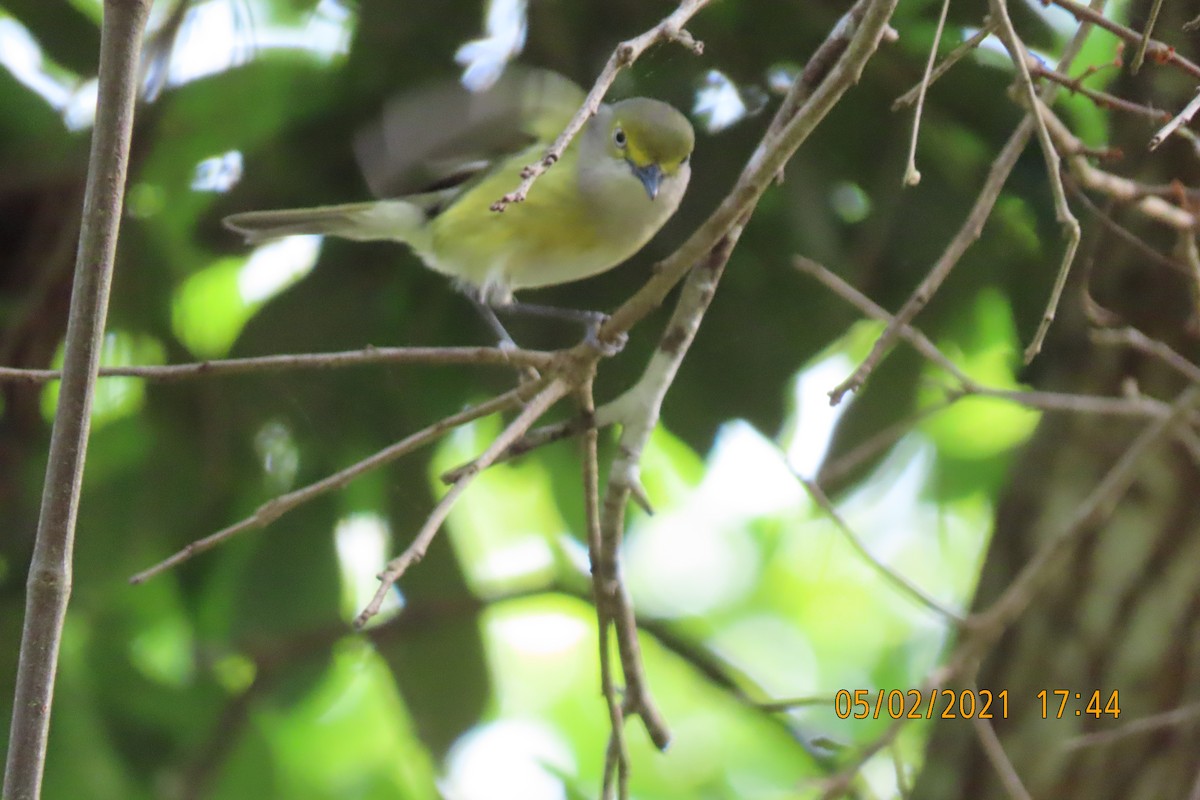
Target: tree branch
282, 362
276, 507
49, 582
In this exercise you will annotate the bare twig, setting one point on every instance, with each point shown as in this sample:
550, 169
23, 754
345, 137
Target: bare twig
970, 230
1139, 55
833, 472
837, 785
1175, 718
539, 437
627, 52
1101, 99
48, 586
1191, 256
912, 176
952, 58
994, 751
1182, 117
616, 762
905, 586
1132, 337
1142, 198
396, 568
1120, 231
273, 509
1062, 210
968, 386
1159, 52
319, 361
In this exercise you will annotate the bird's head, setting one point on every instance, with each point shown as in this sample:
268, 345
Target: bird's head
653, 138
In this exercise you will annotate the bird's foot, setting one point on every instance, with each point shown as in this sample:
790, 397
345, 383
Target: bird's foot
606, 348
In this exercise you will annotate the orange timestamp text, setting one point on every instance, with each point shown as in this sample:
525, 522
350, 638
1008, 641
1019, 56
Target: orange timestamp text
920, 704
1061, 703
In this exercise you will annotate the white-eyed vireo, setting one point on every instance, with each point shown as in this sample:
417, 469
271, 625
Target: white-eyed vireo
451, 155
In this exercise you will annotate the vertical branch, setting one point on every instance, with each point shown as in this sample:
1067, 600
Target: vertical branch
616, 759
912, 176
1140, 55
49, 582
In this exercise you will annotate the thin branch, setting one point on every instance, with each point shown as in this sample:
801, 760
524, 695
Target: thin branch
968, 386
791, 703
1062, 210
837, 785
616, 761
1182, 117
273, 509
952, 58
1132, 337
1120, 231
833, 472
912, 176
48, 586
1159, 52
970, 230
1142, 198
1175, 718
539, 437
396, 568
1000, 761
1140, 54
319, 361
627, 52
907, 587
1191, 255
1101, 99
898, 770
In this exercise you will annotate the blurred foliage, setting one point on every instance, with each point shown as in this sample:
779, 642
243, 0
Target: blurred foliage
236, 675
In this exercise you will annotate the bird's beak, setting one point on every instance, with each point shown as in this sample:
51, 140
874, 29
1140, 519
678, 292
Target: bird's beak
651, 177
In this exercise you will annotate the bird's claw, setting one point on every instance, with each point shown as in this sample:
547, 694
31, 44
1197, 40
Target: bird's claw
606, 348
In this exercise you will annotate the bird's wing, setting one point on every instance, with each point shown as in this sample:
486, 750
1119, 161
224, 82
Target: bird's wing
440, 138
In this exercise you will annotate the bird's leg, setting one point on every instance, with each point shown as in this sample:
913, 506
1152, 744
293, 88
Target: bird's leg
504, 340
591, 320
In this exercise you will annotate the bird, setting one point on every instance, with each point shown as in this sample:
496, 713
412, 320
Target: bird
441, 158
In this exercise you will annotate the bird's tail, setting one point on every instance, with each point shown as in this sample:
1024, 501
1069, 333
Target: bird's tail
396, 220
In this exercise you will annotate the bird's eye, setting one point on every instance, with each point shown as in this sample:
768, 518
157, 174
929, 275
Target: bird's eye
619, 138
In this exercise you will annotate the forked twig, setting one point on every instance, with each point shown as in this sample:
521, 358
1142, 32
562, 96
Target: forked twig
396, 568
